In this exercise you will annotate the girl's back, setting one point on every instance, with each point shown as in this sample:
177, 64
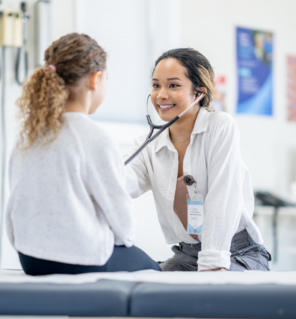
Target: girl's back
55, 191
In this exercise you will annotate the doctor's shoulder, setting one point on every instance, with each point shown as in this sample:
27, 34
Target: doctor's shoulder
220, 122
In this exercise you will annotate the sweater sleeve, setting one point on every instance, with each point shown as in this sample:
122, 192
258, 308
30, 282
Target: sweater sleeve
106, 182
224, 200
137, 181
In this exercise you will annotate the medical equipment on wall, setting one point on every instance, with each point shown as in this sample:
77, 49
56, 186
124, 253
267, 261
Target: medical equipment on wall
11, 29
161, 128
42, 16
22, 50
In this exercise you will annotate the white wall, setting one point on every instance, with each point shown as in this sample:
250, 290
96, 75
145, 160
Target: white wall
268, 144
122, 29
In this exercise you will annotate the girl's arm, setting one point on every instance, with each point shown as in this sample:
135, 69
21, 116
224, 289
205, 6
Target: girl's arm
106, 182
137, 181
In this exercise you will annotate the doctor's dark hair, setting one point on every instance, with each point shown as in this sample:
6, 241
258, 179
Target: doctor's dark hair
45, 93
199, 71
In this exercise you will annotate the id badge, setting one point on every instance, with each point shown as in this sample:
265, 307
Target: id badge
195, 214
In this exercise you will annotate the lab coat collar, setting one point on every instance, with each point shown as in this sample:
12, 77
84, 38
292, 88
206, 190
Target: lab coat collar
165, 141
201, 125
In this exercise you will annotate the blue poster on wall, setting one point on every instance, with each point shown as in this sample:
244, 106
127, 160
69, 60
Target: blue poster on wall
254, 71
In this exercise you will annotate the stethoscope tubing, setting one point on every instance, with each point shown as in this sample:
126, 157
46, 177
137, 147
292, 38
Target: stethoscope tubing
161, 128
149, 137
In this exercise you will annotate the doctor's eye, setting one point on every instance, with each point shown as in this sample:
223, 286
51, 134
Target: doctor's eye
154, 85
173, 85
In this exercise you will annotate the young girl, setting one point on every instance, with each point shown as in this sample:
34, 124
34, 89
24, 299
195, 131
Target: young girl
69, 211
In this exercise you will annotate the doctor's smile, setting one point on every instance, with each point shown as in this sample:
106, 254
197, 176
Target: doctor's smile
166, 107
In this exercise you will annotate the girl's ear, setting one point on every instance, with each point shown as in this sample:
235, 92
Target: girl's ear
93, 80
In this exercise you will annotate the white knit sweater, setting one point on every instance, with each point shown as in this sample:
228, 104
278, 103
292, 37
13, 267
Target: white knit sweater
68, 200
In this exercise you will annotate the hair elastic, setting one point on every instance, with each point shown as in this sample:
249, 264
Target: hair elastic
52, 67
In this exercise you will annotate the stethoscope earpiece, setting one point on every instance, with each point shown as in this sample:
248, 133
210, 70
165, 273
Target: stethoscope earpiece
200, 93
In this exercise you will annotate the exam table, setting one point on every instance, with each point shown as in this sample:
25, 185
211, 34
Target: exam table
151, 294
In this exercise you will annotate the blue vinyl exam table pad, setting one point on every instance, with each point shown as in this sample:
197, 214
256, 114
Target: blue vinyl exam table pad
151, 294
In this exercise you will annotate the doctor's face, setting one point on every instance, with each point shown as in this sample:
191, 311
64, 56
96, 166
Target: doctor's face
172, 91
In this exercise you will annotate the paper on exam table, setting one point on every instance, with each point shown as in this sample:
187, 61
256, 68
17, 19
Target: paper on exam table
216, 278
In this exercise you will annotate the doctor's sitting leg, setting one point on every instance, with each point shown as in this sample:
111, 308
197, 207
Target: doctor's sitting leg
69, 211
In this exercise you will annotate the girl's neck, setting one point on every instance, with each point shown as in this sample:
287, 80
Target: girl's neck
183, 128
75, 107
80, 102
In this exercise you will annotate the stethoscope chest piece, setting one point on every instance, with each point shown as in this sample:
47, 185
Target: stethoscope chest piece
189, 180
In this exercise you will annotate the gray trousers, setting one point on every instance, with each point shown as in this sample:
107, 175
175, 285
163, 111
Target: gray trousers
245, 255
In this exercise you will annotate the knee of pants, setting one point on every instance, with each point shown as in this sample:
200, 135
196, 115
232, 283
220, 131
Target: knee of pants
171, 265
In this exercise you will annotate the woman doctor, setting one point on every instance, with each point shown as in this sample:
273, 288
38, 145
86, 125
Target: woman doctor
205, 145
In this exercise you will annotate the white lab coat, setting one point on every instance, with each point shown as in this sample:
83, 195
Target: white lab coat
213, 159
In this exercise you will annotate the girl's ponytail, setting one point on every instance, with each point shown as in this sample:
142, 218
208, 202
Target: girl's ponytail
41, 106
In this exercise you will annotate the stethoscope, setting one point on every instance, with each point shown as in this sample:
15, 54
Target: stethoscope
161, 128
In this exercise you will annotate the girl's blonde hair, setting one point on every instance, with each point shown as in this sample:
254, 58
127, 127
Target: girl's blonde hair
44, 95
